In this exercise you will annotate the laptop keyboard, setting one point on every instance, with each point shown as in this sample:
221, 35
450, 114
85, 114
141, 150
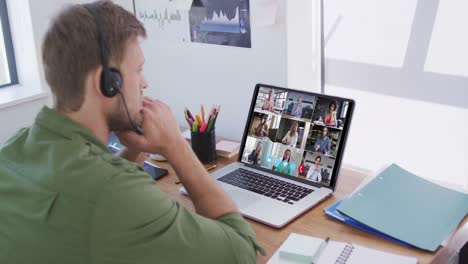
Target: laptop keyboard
267, 186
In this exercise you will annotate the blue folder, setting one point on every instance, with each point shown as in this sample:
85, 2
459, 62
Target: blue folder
333, 213
407, 207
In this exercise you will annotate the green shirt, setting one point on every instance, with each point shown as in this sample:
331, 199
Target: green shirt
64, 198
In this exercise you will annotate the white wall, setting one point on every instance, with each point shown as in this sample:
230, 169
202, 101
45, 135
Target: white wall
188, 74
304, 44
405, 64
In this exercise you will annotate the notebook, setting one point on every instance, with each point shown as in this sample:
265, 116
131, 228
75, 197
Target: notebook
347, 253
407, 207
333, 252
227, 149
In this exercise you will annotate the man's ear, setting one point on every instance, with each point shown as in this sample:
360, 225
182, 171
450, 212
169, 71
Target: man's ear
94, 79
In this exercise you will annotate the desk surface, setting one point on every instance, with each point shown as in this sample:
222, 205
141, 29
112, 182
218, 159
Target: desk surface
314, 222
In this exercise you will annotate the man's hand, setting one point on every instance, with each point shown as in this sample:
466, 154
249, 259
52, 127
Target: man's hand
161, 130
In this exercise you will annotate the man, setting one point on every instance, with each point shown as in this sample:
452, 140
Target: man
297, 109
322, 144
64, 198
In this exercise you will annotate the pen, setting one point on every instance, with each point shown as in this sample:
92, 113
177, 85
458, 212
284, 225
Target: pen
216, 116
211, 123
195, 127
212, 111
202, 113
320, 250
211, 167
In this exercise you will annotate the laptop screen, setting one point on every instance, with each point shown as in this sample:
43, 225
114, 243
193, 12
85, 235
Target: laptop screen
297, 134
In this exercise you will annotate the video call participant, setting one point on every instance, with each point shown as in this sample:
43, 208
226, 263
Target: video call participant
290, 139
314, 173
269, 102
330, 115
262, 128
285, 165
322, 144
297, 109
256, 154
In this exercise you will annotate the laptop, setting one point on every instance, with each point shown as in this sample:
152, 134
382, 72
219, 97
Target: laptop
290, 155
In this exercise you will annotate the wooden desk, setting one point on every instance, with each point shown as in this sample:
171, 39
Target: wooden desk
314, 222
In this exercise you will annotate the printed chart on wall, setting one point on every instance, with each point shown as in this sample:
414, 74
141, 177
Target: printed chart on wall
220, 22
166, 20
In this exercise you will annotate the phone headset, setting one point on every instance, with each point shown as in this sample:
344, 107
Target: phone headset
111, 78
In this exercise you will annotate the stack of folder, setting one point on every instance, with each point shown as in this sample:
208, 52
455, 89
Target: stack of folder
404, 208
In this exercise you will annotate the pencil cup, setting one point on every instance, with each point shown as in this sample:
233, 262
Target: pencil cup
204, 146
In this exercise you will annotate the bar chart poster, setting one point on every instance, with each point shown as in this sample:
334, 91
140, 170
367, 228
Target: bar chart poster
220, 22
166, 20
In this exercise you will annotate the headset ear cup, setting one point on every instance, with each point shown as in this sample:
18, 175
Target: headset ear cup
104, 85
111, 85
115, 79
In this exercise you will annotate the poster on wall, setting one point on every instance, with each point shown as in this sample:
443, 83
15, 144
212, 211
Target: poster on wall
221, 22
166, 20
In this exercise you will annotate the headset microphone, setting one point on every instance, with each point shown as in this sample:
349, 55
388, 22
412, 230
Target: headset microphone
136, 128
111, 78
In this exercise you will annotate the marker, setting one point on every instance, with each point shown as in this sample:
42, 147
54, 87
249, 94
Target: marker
203, 127
195, 126
189, 114
197, 117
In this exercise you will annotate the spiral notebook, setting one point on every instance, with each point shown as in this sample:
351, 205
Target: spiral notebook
347, 253
336, 253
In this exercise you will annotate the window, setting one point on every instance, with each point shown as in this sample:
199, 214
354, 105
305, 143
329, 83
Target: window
344, 109
8, 75
280, 100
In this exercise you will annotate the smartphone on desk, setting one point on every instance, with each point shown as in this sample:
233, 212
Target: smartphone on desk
153, 170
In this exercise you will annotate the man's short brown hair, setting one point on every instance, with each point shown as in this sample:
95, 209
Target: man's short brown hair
71, 48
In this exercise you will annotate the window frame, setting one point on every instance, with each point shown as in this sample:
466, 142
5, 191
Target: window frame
8, 42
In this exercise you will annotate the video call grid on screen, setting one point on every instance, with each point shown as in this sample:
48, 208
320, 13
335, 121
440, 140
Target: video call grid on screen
296, 134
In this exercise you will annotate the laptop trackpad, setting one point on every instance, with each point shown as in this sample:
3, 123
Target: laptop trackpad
242, 199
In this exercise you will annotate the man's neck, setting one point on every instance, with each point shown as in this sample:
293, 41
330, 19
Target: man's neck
93, 122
